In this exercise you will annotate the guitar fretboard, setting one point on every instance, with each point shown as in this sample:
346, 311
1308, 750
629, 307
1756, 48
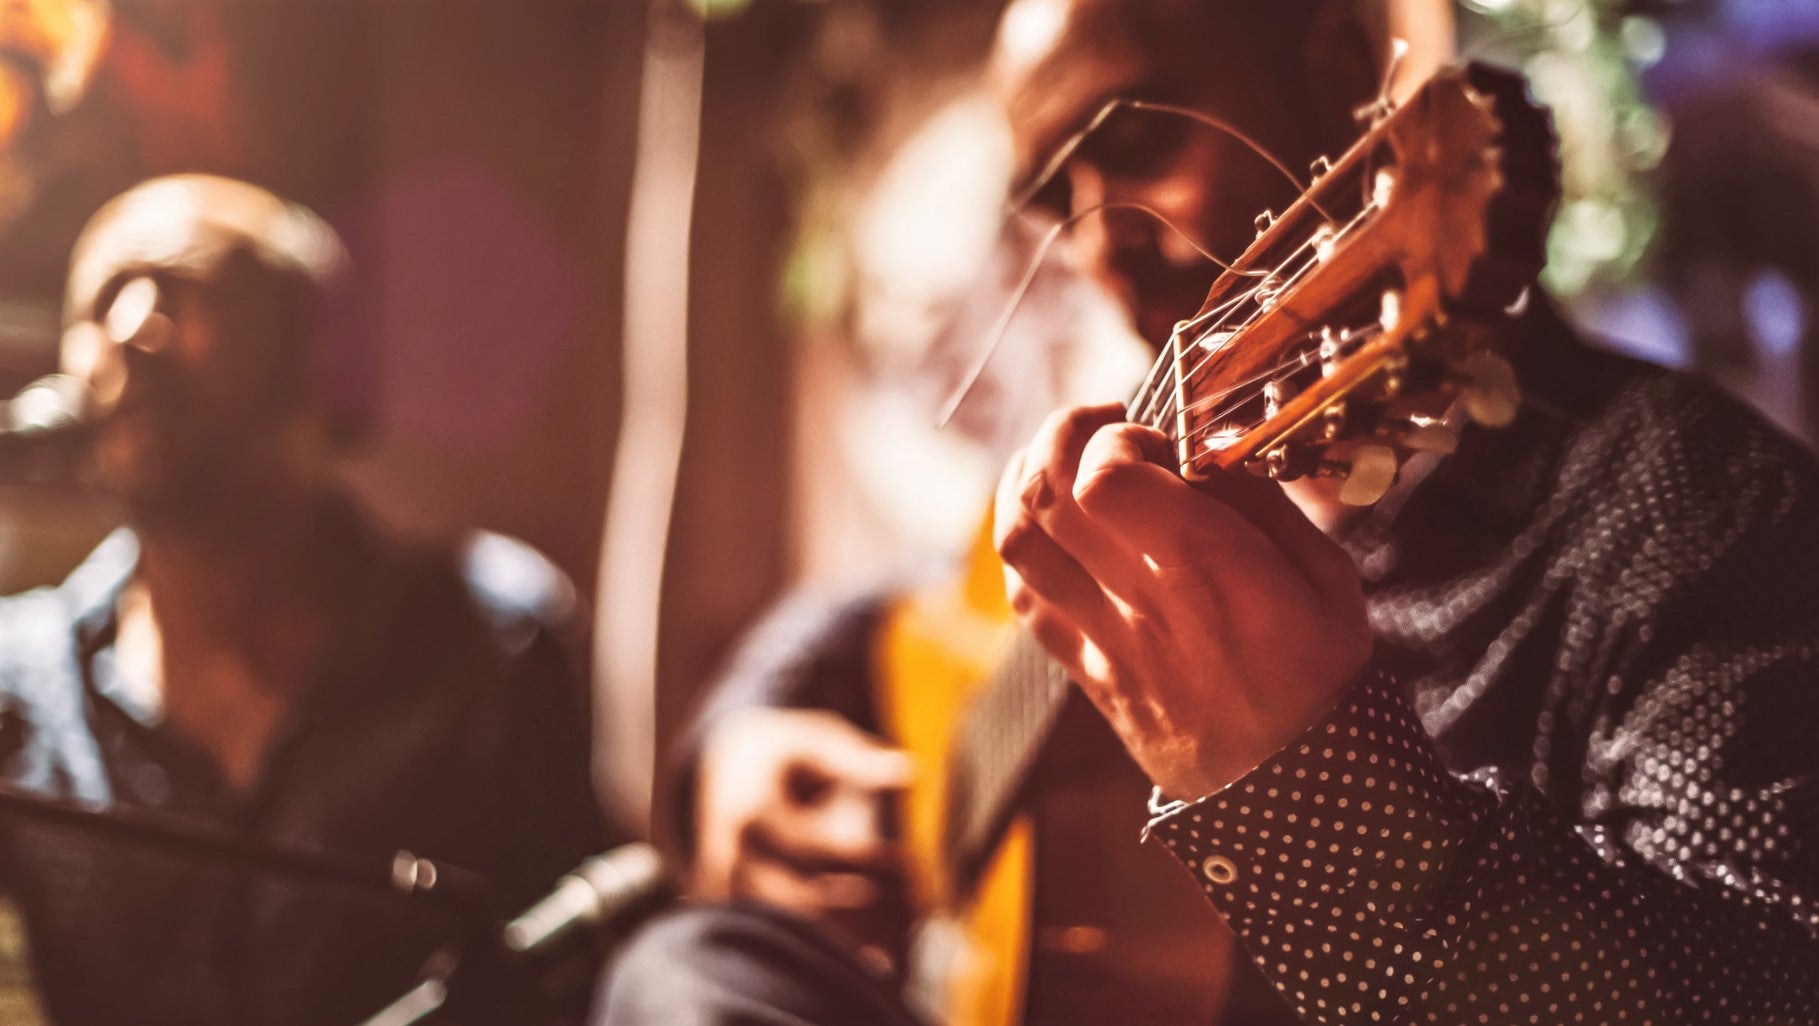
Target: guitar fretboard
996, 751
1005, 731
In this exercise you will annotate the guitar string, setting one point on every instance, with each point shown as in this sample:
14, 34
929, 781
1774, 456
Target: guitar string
1152, 383
1151, 411
1225, 309
1256, 147
1161, 406
1142, 404
1159, 402
1284, 283
1168, 407
1261, 381
1063, 153
1254, 386
1171, 359
1368, 204
1059, 159
1382, 103
1209, 429
1072, 144
1399, 50
977, 369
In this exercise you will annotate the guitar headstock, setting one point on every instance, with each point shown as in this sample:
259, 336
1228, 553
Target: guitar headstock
1365, 313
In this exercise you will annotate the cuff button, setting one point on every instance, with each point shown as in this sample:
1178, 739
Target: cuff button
1218, 869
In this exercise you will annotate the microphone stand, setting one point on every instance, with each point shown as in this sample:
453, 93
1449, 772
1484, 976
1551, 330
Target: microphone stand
459, 892
408, 876
453, 890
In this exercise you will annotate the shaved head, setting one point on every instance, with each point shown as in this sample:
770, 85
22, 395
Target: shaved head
193, 314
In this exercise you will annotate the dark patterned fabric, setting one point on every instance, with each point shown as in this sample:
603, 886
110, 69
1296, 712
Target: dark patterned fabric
1604, 618
448, 722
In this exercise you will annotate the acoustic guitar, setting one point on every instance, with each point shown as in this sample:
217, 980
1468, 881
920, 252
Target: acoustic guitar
1358, 328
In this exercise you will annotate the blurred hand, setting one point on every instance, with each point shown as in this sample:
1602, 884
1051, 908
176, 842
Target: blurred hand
791, 811
1210, 623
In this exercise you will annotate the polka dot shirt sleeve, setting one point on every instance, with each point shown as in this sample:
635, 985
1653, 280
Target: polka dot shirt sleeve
1371, 885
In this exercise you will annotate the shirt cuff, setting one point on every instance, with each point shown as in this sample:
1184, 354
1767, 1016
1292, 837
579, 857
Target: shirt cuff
1357, 818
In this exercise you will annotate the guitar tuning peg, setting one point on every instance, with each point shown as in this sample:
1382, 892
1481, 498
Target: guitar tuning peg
1394, 377
1370, 115
1284, 463
1333, 419
1264, 221
1269, 290
1213, 341
1367, 474
1383, 186
1330, 344
1426, 434
1389, 311
1276, 392
1487, 384
1324, 241
1320, 167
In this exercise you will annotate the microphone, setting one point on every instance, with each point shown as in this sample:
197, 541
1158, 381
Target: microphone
615, 889
610, 889
53, 407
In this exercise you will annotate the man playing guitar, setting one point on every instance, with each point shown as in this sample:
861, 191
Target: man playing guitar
1523, 743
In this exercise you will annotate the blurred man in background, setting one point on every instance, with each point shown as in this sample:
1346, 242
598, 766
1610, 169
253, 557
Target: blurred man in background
252, 652
1612, 602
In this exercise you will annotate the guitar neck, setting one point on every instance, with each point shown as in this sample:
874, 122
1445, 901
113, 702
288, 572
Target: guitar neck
996, 751
1004, 734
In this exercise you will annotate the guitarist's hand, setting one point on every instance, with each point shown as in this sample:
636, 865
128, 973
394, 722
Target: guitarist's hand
1211, 623
790, 811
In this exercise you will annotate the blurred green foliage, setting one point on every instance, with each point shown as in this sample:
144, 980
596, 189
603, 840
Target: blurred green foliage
1584, 59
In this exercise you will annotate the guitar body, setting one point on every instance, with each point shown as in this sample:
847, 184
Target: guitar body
1072, 920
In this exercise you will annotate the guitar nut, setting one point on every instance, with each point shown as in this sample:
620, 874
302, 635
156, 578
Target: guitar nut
1218, 869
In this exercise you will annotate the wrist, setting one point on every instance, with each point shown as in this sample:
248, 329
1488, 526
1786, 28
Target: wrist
1188, 768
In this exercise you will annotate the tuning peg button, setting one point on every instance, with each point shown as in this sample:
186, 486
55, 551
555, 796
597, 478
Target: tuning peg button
1487, 384
1368, 472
